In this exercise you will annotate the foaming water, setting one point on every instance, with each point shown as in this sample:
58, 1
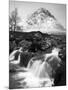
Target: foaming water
38, 68
33, 79
55, 51
38, 72
12, 56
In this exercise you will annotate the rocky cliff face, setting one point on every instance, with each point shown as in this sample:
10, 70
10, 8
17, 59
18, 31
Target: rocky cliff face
42, 20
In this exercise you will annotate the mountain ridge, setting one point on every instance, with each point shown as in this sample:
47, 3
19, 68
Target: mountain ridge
42, 20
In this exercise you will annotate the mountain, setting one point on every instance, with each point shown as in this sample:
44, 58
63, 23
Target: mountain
42, 20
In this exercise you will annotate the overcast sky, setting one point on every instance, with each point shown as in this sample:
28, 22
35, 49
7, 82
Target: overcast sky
26, 8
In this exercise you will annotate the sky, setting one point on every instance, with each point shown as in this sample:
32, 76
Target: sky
25, 9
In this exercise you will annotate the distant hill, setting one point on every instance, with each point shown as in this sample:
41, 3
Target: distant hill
28, 35
35, 35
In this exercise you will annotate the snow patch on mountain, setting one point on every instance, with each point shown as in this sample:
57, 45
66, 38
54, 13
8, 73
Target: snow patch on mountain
42, 20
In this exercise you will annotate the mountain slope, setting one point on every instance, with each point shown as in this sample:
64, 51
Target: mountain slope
42, 20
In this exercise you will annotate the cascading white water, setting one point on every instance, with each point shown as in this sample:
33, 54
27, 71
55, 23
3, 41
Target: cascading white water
12, 56
38, 72
38, 68
35, 76
41, 68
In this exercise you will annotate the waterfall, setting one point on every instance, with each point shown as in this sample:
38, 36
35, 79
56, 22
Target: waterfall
38, 72
43, 68
39, 68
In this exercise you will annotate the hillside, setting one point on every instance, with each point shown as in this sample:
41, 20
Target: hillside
37, 40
